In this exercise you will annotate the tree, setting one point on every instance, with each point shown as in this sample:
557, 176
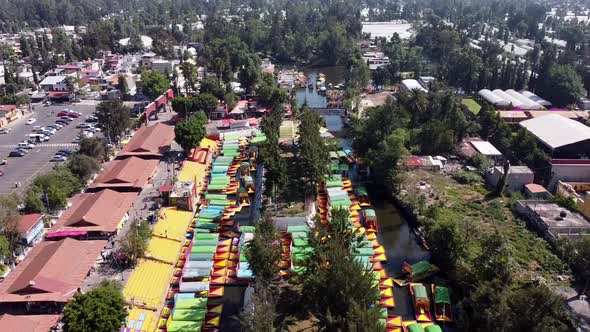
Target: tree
113, 118
260, 313
56, 186
154, 83
189, 133
94, 147
577, 254
249, 73
33, 202
122, 85
205, 102
83, 166
135, 242
189, 72
100, 310
264, 251
565, 86
4, 247
211, 86
312, 154
183, 105
9, 219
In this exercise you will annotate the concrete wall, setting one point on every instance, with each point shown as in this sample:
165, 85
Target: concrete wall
571, 189
515, 181
568, 173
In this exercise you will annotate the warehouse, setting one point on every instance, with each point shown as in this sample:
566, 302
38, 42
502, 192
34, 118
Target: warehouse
562, 137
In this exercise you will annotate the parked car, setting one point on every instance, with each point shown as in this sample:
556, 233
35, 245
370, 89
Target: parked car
17, 153
62, 122
25, 145
66, 118
3, 162
63, 113
31, 121
73, 115
65, 152
55, 126
58, 157
4, 130
83, 125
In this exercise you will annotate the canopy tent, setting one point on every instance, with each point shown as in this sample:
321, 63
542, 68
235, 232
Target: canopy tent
441, 295
215, 196
369, 213
420, 292
421, 268
206, 236
183, 326
247, 229
416, 327
219, 169
195, 315
194, 287
433, 328
198, 265
342, 154
297, 228
194, 303
196, 273
362, 191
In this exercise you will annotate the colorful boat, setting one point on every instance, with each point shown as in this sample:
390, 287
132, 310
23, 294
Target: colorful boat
370, 219
421, 302
442, 304
363, 196
415, 272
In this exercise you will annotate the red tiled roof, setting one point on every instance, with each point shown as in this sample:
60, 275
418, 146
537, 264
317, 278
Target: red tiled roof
535, 188
413, 161
96, 212
27, 221
7, 108
150, 141
132, 172
28, 323
52, 271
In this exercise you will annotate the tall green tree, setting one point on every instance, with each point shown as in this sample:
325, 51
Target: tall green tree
113, 118
94, 147
564, 85
189, 133
100, 310
312, 153
83, 166
153, 83
264, 251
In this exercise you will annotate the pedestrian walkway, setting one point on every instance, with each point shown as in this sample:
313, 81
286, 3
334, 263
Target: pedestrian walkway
44, 145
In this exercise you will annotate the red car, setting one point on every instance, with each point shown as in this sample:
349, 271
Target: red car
73, 115
63, 113
62, 122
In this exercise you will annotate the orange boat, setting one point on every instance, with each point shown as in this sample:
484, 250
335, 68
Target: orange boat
421, 302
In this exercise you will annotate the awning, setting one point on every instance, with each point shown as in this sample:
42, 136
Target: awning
65, 234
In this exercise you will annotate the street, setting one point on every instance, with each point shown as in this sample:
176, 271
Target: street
24, 169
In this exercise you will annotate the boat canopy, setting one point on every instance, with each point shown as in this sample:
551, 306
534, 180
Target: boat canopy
416, 327
441, 295
369, 212
333, 155
421, 268
194, 315
420, 292
362, 191
433, 328
194, 303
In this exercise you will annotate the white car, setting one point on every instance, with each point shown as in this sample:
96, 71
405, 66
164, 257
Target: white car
31, 121
4, 130
58, 157
83, 125
25, 145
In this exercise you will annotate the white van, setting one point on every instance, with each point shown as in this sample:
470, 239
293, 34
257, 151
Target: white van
38, 138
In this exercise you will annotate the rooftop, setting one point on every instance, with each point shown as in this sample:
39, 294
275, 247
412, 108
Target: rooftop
556, 131
95, 212
131, 172
51, 80
552, 215
52, 271
535, 188
152, 141
27, 221
486, 148
28, 323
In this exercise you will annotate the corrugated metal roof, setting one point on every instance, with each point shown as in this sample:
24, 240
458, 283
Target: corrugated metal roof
486, 148
556, 131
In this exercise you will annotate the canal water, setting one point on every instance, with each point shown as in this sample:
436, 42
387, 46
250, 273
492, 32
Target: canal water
394, 233
311, 97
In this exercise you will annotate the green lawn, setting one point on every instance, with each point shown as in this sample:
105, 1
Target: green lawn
472, 105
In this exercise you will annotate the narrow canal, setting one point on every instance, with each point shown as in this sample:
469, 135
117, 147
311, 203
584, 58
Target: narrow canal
394, 233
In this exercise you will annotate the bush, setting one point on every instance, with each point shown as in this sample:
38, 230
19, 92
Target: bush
465, 177
566, 202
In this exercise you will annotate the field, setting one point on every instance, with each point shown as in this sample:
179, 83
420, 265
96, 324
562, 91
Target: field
472, 105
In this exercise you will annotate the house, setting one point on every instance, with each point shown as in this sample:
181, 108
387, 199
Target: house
553, 220
30, 228
487, 149
149, 142
579, 191
518, 177
54, 83
95, 215
562, 137
164, 67
423, 162
569, 170
127, 175
426, 81
536, 191
49, 277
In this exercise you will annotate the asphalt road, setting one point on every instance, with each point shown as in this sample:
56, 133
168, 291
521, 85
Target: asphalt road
24, 169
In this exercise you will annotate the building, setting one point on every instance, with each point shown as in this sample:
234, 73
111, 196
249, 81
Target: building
54, 83
49, 277
427, 163
569, 170
553, 220
579, 191
8, 113
518, 177
94, 215
562, 137
426, 81
149, 142
487, 149
536, 191
126, 175
164, 67
28, 323
411, 84
30, 228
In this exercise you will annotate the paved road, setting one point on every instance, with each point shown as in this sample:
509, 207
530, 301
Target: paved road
24, 169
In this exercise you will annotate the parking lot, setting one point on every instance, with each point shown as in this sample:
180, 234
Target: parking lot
37, 160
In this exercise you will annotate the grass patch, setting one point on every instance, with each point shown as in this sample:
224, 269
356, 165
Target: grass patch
472, 105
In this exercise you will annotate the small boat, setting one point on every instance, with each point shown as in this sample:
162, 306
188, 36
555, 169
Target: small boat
421, 302
419, 233
370, 219
442, 304
415, 272
363, 196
